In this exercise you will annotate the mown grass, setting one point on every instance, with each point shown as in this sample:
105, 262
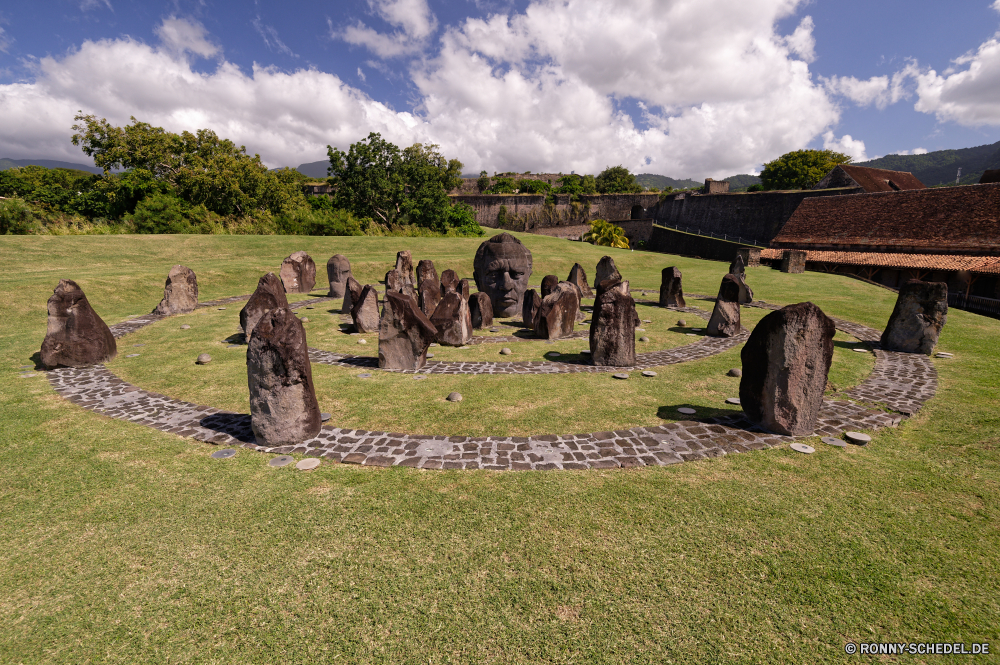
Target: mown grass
122, 544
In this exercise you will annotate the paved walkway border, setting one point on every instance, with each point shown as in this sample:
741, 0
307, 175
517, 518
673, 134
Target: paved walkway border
900, 382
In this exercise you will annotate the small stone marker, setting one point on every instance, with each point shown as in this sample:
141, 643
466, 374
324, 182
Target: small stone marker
802, 448
585, 352
640, 329
305, 319
281, 460
858, 438
132, 355
834, 442
454, 397
494, 330
858, 350
649, 372
433, 344
430, 355
643, 339
324, 417
647, 320
621, 375
307, 464
554, 354
736, 371
733, 400
942, 354
233, 346
690, 334
362, 341
682, 323
505, 351
221, 308
223, 454
687, 411
419, 376
203, 359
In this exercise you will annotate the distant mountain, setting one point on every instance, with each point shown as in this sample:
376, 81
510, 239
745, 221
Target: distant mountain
314, 169
662, 181
941, 166
6, 163
741, 182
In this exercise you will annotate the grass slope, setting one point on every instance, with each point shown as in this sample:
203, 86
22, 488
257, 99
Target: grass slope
123, 544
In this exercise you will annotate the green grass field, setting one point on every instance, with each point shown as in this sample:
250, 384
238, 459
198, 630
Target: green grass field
123, 544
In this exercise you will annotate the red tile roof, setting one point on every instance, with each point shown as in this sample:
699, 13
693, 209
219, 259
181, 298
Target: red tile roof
947, 220
977, 264
990, 176
882, 180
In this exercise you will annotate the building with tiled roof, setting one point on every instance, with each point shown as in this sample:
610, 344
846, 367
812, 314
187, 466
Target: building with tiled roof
869, 179
990, 176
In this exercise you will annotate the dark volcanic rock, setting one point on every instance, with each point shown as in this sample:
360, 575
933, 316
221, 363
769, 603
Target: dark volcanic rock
606, 270
76, 336
426, 270
430, 294
404, 333
612, 332
548, 283
738, 270
921, 311
180, 294
283, 406
463, 288
725, 321
557, 314
737, 267
785, 367
298, 273
269, 296
365, 310
481, 310
453, 320
449, 281
338, 271
502, 267
352, 291
404, 264
671, 290
578, 276
529, 310
396, 282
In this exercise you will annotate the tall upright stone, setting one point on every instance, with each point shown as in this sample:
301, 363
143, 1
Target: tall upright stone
578, 276
548, 283
352, 291
75, 335
396, 282
557, 313
430, 295
283, 406
365, 311
180, 294
725, 321
917, 319
463, 288
404, 264
449, 281
502, 267
426, 270
529, 309
453, 320
298, 273
269, 296
338, 271
481, 310
404, 333
671, 290
606, 270
786, 361
738, 270
612, 331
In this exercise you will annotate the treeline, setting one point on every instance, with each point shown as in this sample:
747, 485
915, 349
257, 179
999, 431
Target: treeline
155, 181
612, 180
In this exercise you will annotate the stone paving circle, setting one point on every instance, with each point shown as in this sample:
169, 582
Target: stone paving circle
802, 448
307, 464
858, 438
224, 454
898, 386
281, 460
829, 440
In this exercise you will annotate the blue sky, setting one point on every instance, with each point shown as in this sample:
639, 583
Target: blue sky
685, 88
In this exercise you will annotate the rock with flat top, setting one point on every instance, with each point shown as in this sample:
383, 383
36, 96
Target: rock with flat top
269, 296
612, 332
449, 281
557, 314
338, 271
298, 273
481, 310
671, 291
75, 335
404, 333
725, 321
425, 271
453, 320
917, 319
529, 309
180, 294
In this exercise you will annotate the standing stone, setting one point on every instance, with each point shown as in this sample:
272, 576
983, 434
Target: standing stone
269, 296
557, 314
463, 288
793, 261
481, 310
338, 271
671, 291
921, 311
365, 310
404, 264
786, 361
449, 281
180, 294
76, 336
578, 276
430, 294
529, 310
612, 332
738, 270
606, 270
426, 270
395, 282
725, 321
298, 273
548, 283
502, 267
352, 291
404, 333
283, 406
453, 320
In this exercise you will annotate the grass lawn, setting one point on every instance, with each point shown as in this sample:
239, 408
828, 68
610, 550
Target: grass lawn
120, 543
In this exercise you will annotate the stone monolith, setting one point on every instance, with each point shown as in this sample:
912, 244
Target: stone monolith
269, 296
917, 319
75, 335
298, 273
180, 294
404, 333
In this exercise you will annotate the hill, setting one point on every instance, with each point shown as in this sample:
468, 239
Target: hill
315, 169
940, 167
662, 181
741, 181
7, 163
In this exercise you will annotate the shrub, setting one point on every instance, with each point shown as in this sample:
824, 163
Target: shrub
164, 213
17, 218
462, 221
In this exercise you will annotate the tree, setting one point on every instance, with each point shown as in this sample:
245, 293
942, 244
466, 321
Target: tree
801, 169
367, 179
427, 179
617, 180
575, 185
605, 234
483, 183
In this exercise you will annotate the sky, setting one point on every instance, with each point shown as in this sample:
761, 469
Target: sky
682, 88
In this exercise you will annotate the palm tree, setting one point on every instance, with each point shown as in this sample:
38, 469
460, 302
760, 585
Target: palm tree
605, 234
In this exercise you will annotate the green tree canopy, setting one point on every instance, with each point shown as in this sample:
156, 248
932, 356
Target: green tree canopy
617, 180
801, 169
575, 185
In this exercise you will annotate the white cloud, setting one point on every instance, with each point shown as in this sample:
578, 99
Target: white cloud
86, 5
271, 39
361, 75
181, 34
801, 42
996, 5
6, 40
915, 151
846, 144
969, 96
413, 19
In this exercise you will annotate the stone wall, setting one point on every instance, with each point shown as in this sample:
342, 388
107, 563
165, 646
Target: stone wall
526, 212
670, 241
636, 230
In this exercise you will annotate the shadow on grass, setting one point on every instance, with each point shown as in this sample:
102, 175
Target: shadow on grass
707, 415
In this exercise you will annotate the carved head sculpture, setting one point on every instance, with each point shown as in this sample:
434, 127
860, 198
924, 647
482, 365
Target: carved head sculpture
338, 269
502, 267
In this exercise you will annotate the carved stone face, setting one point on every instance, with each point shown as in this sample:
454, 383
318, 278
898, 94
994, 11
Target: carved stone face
502, 268
338, 269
